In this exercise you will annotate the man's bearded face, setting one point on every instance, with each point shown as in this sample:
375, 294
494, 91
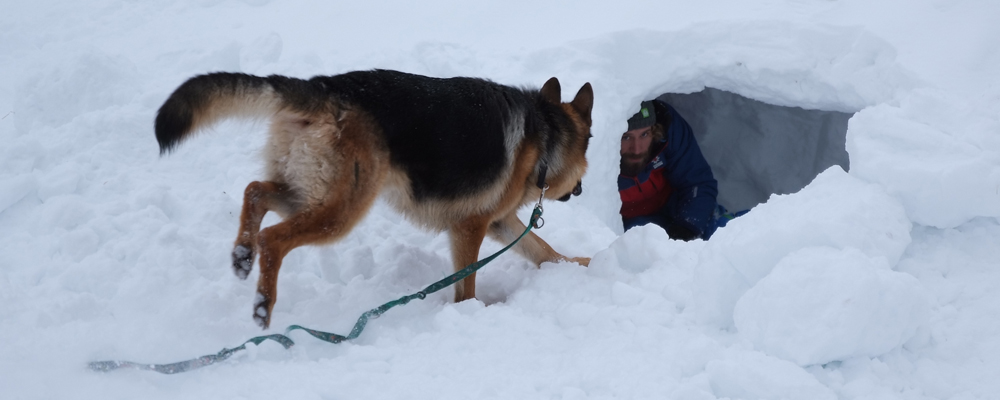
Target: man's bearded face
635, 150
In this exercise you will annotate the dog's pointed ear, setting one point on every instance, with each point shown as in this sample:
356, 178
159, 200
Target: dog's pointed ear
551, 91
583, 103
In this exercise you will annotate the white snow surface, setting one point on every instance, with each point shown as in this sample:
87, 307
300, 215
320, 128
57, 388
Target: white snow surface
821, 304
877, 283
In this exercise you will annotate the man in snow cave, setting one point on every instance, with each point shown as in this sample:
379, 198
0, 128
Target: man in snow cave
664, 178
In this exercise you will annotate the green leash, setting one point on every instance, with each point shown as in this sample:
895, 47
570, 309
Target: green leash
284, 340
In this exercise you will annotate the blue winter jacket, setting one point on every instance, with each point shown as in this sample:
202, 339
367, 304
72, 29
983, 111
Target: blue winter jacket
676, 187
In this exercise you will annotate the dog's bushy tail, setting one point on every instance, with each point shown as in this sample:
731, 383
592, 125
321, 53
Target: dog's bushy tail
207, 99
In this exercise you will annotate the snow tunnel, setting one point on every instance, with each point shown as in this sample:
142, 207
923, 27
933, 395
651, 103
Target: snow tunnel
757, 149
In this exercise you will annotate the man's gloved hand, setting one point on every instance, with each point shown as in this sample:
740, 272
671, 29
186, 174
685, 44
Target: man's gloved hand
681, 232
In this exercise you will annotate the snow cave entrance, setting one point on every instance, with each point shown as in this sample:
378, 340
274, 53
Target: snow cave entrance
757, 149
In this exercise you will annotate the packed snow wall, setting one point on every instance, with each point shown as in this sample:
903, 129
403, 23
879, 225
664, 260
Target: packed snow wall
758, 149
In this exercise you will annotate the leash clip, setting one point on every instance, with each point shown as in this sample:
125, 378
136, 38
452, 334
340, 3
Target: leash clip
542, 195
542, 171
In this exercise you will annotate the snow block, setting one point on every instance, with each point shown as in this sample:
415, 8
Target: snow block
941, 158
823, 304
635, 251
835, 210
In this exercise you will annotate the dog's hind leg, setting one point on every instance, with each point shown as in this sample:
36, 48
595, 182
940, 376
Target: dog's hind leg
508, 228
258, 199
350, 190
323, 223
466, 237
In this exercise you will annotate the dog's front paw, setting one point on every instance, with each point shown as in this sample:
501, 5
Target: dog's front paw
584, 261
242, 261
262, 310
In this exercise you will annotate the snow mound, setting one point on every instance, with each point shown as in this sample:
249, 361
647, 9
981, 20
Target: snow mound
635, 251
822, 304
835, 210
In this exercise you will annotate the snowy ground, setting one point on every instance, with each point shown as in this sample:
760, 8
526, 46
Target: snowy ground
880, 283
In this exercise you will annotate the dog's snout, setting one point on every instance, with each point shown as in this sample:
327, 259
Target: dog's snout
577, 190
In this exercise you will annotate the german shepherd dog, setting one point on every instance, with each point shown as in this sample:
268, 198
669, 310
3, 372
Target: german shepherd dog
457, 154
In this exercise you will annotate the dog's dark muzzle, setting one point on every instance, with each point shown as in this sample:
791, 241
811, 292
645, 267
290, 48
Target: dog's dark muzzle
576, 191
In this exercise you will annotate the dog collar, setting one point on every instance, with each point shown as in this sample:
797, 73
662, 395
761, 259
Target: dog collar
542, 170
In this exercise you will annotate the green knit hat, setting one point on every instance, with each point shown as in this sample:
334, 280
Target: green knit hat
646, 116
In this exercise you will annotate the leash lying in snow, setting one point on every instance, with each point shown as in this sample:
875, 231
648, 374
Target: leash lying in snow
106, 366
284, 340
